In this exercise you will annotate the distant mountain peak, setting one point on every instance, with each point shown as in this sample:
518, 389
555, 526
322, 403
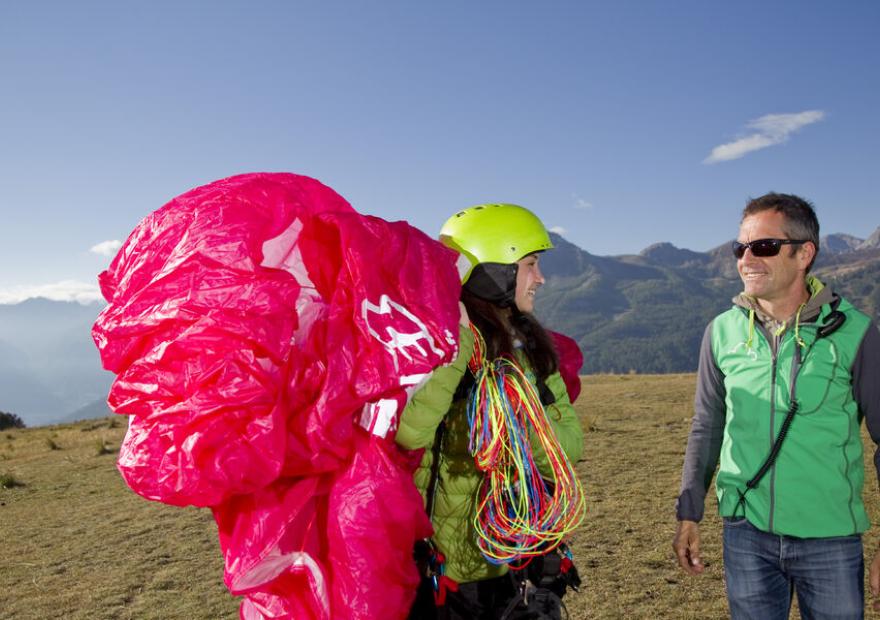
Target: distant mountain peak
662, 246
565, 258
561, 243
839, 243
871, 242
664, 253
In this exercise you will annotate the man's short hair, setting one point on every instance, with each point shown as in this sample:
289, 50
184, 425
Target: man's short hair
800, 217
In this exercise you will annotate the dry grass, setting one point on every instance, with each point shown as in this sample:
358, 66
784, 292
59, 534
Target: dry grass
632, 470
76, 543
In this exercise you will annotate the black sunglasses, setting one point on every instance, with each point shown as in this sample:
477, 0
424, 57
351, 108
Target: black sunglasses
763, 247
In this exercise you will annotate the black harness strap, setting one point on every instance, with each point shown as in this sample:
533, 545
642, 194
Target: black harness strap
431, 491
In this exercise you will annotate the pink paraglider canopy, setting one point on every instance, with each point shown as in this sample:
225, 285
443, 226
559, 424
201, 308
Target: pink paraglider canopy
266, 338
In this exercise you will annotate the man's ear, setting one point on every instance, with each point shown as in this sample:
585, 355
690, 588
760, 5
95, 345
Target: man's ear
807, 253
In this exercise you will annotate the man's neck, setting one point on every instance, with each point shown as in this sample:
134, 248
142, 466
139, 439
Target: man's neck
784, 309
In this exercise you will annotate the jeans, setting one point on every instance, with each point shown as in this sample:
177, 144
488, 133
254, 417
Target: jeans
761, 571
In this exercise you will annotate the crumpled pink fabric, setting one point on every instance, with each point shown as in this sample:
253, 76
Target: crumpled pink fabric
570, 361
266, 337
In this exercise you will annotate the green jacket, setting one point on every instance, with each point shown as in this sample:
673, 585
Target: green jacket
459, 480
747, 380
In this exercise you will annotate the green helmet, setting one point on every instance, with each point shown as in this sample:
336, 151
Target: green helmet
494, 233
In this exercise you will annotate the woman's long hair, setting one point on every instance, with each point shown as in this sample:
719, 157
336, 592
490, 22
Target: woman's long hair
496, 330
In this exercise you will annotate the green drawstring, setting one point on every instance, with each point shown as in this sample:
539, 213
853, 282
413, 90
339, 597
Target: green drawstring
751, 329
748, 343
814, 286
797, 327
780, 330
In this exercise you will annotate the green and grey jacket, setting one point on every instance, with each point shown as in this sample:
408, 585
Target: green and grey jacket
458, 482
747, 380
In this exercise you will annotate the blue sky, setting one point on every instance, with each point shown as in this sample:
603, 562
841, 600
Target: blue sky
601, 117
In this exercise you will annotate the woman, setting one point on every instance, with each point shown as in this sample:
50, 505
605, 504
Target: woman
500, 245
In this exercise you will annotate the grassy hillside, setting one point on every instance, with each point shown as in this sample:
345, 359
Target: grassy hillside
76, 543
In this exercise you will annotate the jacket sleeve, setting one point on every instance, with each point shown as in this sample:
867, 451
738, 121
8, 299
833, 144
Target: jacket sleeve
566, 425
707, 432
428, 406
866, 388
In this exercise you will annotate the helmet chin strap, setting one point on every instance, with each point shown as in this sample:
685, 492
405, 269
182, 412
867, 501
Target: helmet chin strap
494, 282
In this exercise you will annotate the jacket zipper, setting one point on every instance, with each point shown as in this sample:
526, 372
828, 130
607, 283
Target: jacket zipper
795, 369
774, 354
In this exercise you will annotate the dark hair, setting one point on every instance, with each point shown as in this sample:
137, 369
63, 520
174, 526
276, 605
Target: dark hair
495, 328
800, 217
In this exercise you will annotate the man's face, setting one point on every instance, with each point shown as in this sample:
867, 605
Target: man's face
773, 278
528, 279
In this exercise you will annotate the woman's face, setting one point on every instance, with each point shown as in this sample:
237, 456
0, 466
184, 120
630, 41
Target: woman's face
528, 279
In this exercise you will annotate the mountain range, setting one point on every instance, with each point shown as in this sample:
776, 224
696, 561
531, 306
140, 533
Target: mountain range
49, 366
646, 313
641, 313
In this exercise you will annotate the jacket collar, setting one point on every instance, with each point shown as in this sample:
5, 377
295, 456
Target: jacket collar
820, 295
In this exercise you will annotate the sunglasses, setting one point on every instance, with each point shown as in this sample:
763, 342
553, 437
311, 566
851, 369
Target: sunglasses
763, 247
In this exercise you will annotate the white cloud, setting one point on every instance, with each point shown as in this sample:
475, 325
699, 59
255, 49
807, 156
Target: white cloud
580, 203
66, 290
106, 248
559, 230
784, 124
769, 129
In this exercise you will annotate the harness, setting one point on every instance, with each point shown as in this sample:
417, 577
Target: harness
539, 582
429, 559
540, 585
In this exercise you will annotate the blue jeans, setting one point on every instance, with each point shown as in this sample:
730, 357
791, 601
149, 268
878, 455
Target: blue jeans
761, 571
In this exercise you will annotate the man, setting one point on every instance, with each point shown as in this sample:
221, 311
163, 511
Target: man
784, 380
